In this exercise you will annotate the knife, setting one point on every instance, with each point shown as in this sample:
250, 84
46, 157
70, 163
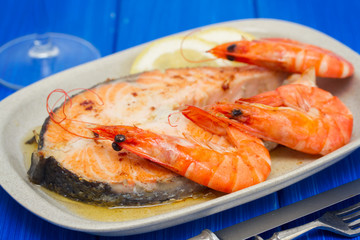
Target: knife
283, 215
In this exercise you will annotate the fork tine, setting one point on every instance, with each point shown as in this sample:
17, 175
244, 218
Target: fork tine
348, 210
351, 217
355, 225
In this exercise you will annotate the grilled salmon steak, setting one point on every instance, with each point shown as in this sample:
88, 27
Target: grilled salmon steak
89, 170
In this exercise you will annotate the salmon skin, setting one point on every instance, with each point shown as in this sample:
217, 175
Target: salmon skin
51, 175
91, 171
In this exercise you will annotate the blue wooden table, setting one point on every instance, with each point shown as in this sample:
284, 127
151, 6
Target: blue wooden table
112, 26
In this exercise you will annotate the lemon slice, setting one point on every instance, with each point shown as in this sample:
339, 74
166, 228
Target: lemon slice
220, 35
166, 53
177, 52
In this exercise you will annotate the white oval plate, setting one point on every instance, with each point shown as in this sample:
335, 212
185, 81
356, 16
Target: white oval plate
25, 110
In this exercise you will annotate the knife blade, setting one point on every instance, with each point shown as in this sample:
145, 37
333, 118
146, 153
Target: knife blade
283, 215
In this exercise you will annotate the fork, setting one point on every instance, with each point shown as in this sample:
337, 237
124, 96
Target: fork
345, 222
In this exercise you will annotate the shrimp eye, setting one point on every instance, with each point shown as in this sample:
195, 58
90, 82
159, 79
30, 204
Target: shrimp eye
236, 112
230, 58
231, 48
119, 138
116, 147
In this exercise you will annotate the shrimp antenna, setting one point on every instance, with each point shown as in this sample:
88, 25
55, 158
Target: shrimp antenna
67, 98
169, 120
182, 49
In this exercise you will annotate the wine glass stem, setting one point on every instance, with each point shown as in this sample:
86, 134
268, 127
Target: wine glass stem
43, 48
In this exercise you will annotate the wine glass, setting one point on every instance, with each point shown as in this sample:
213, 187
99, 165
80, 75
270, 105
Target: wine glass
32, 57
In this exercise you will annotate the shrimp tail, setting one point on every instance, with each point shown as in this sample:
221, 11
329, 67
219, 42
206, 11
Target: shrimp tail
285, 55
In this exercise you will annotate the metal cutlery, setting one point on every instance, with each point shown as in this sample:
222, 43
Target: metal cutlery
270, 220
345, 222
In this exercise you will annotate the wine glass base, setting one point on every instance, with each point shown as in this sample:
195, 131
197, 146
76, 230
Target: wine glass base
22, 64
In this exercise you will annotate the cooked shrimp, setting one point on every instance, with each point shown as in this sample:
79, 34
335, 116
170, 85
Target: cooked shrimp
302, 117
285, 55
246, 164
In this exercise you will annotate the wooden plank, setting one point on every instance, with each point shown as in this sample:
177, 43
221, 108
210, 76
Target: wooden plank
338, 19
92, 20
18, 223
149, 20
